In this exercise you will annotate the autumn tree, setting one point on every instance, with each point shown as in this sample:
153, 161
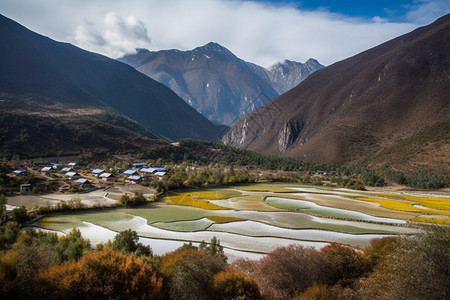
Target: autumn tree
232, 284
105, 274
343, 264
379, 249
419, 268
193, 278
289, 271
169, 262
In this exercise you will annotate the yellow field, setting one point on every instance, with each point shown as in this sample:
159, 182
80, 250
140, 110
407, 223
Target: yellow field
196, 199
427, 205
392, 204
432, 220
430, 202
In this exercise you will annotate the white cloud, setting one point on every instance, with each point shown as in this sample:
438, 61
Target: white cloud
378, 19
114, 37
426, 11
255, 31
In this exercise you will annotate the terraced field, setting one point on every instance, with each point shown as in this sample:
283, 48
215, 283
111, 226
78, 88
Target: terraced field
256, 219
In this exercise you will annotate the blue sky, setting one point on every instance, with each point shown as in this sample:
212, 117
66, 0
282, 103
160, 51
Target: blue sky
393, 10
259, 31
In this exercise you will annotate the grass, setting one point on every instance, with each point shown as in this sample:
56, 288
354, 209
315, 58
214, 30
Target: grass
60, 223
167, 213
224, 219
185, 226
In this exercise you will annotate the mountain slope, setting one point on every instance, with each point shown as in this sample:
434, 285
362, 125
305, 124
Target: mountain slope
34, 68
359, 108
215, 82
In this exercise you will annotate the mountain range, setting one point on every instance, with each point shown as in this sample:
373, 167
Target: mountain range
43, 81
216, 82
389, 104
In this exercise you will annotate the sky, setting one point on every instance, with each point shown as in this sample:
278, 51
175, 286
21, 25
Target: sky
260, 31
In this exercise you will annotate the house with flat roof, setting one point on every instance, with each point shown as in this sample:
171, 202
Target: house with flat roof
139, 165
106, 176
97, 172
46, 170
57, 166
160, 174
134, 179
73, 165
82, 182
130, 172
72, 175
20, 172
148, 170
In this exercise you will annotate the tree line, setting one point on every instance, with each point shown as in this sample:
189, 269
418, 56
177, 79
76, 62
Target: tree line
203, 153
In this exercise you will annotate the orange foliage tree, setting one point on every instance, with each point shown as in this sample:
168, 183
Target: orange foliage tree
101, 274
232, 284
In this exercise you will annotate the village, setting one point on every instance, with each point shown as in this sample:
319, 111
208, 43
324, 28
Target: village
44, 184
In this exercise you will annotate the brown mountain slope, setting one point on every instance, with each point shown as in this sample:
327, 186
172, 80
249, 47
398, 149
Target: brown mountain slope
353, 110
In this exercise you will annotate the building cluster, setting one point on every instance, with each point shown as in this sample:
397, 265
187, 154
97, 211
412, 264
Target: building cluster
139, 173
72, 172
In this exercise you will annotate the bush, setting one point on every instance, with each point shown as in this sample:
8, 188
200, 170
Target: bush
137, 199
20, 214
289, 271
127, 241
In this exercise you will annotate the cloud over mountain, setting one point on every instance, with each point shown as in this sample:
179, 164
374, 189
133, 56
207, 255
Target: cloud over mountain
262, 32
116, 35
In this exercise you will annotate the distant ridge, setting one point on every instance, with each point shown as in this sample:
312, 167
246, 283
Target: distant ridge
49, 79
389, 104
216, 82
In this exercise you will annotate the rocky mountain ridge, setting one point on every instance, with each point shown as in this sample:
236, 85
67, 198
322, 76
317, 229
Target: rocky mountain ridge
216, 82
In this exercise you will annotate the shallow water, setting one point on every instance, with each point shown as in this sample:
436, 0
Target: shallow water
320, 210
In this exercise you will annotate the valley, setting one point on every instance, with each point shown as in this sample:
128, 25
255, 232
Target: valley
250, 220
194, 174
